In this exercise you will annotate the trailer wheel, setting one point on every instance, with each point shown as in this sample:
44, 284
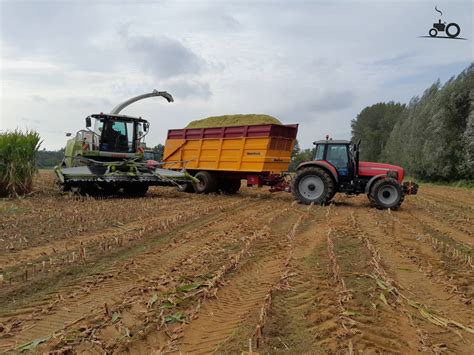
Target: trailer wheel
135, 190
186, 187
207, 182
229, 186
387, 193
313, 185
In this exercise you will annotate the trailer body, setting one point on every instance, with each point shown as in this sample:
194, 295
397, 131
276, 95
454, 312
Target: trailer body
258, 153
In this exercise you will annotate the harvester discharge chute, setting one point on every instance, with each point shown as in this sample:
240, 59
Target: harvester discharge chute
108, 157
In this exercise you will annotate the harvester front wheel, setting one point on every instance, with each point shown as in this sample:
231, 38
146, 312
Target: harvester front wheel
229, 186
135, 190
207, 182
387, 193
313, 185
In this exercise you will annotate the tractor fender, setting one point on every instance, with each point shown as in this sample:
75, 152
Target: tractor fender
372, 181
323, 164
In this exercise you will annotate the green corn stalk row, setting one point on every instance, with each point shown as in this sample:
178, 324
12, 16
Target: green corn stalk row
17, 161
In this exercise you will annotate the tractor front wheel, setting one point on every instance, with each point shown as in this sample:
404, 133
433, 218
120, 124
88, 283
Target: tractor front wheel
207, 182
387, 193
313, 185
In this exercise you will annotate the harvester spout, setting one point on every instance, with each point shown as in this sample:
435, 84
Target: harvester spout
116, 110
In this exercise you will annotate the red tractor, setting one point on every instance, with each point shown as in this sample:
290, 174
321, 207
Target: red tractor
336, 168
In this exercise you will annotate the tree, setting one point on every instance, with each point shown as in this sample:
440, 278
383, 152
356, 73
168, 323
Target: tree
373, 127
298, 156
432, 137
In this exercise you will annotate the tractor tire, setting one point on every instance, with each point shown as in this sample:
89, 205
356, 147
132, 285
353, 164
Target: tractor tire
229, 186
135, 190
453, 34
207, 182
313, 185
371, 200
186, 187
387, 193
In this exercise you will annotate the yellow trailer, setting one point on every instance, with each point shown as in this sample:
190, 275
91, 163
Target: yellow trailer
221, 156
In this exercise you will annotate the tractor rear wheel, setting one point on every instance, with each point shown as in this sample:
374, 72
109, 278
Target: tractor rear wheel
387, 193
207, 182
229, 186
313, 185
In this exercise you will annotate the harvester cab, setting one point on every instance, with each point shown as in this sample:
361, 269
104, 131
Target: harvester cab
108, 156
336, 168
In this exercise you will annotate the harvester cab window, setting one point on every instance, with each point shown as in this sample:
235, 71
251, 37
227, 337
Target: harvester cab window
337, 156
117, 136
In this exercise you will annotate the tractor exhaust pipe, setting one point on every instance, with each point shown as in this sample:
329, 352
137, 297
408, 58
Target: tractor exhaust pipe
117, 109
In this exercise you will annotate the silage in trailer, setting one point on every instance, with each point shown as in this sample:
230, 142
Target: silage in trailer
233, 120
17, 161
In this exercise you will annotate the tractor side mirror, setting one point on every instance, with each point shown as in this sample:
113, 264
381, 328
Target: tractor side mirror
145, 126
88, 121
68, 134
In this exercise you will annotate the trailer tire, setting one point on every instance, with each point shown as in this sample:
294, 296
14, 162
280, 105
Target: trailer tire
387, 193
229, 186
186, 187
313, 185
207, 182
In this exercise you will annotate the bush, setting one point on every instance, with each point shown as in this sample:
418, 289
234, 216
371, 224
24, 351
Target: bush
17, 161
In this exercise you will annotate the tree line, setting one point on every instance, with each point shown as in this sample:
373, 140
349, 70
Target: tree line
432, 136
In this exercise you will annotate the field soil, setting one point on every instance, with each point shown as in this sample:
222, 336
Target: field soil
185, 273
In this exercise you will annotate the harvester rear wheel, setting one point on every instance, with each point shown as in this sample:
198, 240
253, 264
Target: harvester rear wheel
387, 193
207, 182
313, 185
135, 190
229, 186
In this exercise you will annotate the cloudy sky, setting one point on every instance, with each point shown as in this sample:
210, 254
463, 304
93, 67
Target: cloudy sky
316, 63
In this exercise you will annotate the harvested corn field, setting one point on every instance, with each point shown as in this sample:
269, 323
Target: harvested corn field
191, 273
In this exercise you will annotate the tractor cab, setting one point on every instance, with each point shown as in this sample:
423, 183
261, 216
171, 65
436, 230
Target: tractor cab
340, 154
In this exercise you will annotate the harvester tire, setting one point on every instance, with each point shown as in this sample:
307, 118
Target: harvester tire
135, 190
186, 187
313, 185
229, 186
387, 193
207, 182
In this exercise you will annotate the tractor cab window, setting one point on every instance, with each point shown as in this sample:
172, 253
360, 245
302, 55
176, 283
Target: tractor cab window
319, 152
117, 136
337, 156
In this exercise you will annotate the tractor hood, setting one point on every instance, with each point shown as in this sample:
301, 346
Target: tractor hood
372, 169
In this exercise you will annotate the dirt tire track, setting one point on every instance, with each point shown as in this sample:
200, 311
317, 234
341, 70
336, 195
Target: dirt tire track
421, 289
242, 294
111, 289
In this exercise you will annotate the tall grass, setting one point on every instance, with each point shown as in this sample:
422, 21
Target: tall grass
17, 161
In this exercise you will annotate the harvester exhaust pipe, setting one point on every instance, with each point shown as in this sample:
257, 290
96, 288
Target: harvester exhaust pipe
116, 110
